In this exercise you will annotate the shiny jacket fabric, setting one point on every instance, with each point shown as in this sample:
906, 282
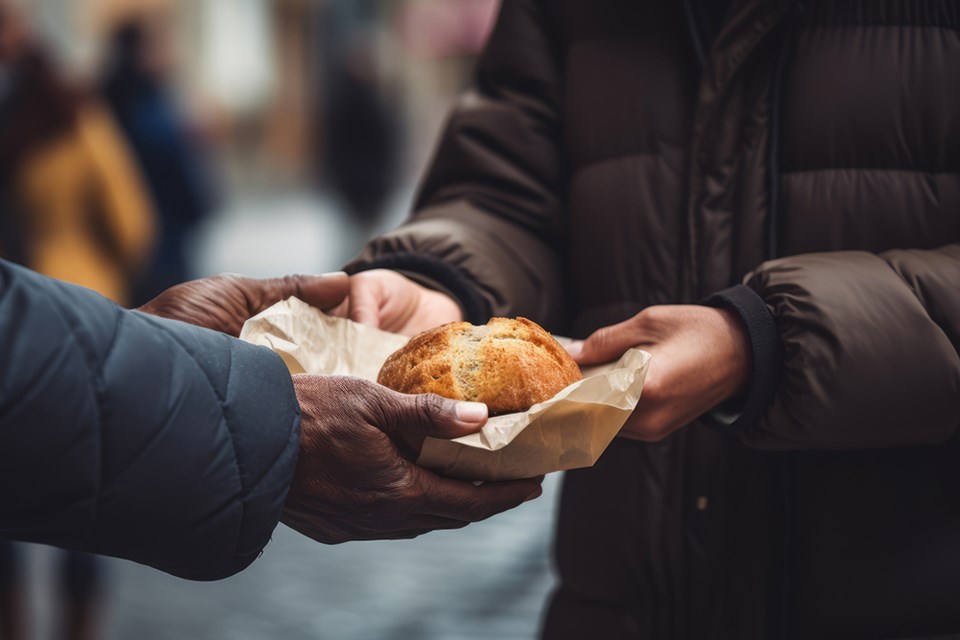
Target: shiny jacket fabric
615, 155
132, 436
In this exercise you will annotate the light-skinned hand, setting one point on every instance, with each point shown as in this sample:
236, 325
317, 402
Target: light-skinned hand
701, 357
390, 301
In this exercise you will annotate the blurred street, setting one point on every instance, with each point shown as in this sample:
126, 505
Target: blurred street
282, 156
486, 581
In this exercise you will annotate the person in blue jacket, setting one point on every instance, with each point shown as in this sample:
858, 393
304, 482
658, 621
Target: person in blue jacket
157, 436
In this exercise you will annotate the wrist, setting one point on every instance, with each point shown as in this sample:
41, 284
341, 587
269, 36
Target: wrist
736, 343
440, 305
765, 355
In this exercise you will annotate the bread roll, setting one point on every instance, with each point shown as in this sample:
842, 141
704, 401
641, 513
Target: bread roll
510, 365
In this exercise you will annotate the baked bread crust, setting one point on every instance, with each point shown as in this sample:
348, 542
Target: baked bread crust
510, 365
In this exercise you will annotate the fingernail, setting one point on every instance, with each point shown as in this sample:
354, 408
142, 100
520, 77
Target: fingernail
533, 496
471, 411
575, 349
333, 274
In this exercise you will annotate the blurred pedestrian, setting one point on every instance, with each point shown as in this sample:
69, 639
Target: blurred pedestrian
81, 210
361, 136
71, 207
137, 87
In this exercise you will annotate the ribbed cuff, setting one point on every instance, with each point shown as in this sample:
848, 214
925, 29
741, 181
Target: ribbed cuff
766, 355
448, 279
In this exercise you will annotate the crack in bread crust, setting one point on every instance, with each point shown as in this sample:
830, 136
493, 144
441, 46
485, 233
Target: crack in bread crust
508, 364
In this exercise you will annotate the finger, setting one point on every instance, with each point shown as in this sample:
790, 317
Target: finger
425, 523
430, 415
460, 500
366, 298
342, 310
575, 349
321, 291
606, 344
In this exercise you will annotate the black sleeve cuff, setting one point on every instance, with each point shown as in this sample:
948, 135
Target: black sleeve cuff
766, 356
449, 278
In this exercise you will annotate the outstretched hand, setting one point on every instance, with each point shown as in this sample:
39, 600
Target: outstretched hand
390, 301
223, 303
701, 357
355, 482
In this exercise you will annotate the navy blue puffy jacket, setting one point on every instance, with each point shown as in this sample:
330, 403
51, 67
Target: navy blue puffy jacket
132, 436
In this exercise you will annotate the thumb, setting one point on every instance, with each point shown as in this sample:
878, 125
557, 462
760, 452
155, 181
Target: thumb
432, 415
366, 297
606, 344
321, 291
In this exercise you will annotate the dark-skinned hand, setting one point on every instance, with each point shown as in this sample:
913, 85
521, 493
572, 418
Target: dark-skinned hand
223, 303
354, 482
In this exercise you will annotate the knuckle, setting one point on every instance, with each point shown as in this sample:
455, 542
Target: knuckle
649, 313
416, 495
601, 338
656, 430
652, 387
478, 509
428, 407
291, 285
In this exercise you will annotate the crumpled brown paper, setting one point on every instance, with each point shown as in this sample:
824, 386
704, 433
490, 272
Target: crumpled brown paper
569, 431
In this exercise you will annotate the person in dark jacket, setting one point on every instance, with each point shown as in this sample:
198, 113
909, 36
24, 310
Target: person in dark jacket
136, 87
155, 435
764, 194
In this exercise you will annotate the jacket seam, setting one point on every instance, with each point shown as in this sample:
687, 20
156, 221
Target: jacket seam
100, 388
226, 423
616, 157
879, 169
96, 369
920, 300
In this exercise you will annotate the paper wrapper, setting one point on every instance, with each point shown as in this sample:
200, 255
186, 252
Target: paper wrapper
569, 431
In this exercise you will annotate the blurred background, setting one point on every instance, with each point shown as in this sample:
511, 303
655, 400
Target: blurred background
144, 142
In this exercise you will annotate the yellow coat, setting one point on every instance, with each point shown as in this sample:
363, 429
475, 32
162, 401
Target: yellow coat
87, 217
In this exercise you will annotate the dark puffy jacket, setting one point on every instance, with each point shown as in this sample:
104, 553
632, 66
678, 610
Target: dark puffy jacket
617, 154
132, 436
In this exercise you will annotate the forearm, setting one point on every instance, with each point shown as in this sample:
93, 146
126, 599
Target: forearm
127, 435
869, 349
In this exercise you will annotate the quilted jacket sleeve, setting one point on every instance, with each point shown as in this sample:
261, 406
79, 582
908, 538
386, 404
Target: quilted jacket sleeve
489, 218
870, 349
131, 436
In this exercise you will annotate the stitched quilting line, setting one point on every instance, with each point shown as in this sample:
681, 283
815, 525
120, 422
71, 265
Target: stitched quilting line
158, 433
221, 401
73, 326
101, 391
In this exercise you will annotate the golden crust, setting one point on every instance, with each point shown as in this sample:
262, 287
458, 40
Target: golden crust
510, 365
